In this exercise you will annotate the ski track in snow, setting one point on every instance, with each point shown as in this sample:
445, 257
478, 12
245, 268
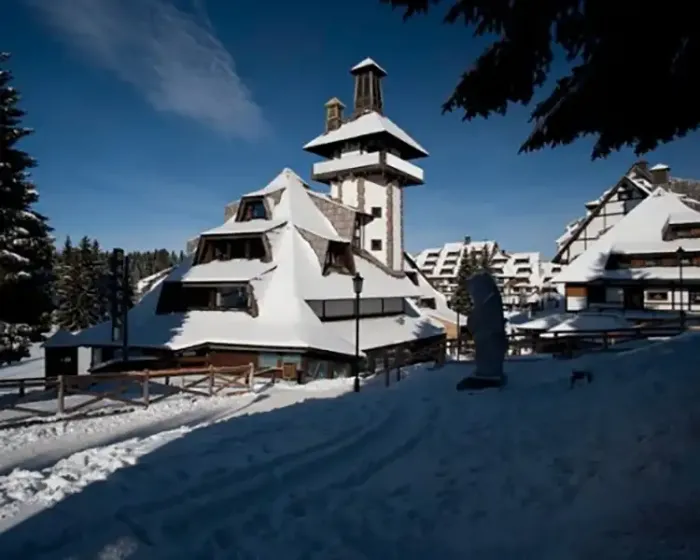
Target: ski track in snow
537, 471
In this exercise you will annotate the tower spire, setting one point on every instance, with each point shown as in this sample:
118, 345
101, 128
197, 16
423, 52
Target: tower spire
368, 87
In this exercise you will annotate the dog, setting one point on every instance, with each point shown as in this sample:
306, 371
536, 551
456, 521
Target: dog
580, 375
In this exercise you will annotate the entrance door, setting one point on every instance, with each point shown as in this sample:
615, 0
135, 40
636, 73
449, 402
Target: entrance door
634, 297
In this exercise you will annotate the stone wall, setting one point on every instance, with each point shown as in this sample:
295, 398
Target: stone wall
342, 218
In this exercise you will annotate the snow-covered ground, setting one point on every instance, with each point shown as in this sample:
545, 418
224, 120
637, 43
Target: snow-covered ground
418, 470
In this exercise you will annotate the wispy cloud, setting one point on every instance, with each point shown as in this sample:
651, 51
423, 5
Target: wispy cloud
171, 56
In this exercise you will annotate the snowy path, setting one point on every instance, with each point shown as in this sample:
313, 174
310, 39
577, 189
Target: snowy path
47, 452
411, 472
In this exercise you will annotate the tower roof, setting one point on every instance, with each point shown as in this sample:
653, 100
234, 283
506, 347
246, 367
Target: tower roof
366, 64
366, 125
333, 101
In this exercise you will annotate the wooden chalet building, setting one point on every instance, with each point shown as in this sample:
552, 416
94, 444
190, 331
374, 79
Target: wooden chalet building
273, 285
615, 203
648, 260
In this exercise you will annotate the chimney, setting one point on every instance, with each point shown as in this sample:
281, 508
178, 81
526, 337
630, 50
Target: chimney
642, 164
660, 174
334, 114
467, 239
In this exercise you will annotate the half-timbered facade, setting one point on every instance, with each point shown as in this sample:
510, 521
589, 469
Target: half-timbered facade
615, 203
649, 260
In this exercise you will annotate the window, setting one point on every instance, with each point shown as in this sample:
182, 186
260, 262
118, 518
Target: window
376, 244
338, 258
694, 297
253, 209
657, 296
377, 211
596, 294
232, 298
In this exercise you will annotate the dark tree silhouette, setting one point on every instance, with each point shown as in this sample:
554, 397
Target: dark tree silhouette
632, 68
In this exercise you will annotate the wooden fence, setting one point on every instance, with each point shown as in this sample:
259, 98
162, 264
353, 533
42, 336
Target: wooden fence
567, 345
138, 389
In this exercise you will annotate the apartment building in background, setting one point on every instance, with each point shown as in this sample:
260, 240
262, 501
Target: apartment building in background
522, 277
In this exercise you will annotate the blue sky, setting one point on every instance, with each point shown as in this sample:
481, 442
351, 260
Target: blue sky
150, 115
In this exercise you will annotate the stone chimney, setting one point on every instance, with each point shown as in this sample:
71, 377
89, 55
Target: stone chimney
660, 174
334, 114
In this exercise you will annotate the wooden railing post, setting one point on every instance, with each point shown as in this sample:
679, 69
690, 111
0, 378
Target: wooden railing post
61, 397
21, 387
146, 396
210, 373
251, 376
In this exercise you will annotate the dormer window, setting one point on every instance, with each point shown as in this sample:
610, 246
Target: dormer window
178, 298
252, 209
228, 248
339, 258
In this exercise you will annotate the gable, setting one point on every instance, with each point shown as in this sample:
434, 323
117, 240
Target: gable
624, 184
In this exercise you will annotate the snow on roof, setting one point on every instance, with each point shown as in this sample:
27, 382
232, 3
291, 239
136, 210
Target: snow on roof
251, 226
688, 216
281, 289
659, 167
235, 270
296, 206
60, 338
367, 63
581, 322
281, 181
641, 227
542, 323
148, 282
369, 123
377, 332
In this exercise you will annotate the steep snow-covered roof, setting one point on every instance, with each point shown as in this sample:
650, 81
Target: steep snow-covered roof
281, 289
639, 231
369, 123
367, 63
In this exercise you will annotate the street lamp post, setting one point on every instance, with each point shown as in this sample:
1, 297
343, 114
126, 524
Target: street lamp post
680, 253
357, 282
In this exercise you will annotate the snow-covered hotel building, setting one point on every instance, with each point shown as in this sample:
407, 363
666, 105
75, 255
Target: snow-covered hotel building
648, 260
519, 275
615, 203
273, 284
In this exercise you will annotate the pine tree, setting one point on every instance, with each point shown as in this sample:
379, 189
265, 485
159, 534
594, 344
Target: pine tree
26, 252
473, 261
67, 286
89, 272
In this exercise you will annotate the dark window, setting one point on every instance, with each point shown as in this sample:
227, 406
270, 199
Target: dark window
253, 209
596, 294
338, 258
232, 248
376, 244
657, 296
232, 298
377, 211
694, 297
171, 298
427, 303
